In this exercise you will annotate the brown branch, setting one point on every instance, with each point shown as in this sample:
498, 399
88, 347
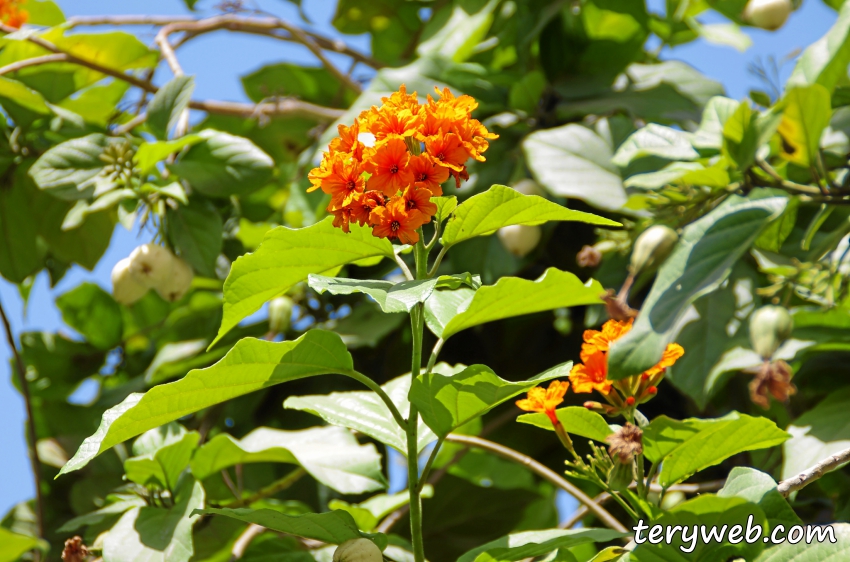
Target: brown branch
244, 541
257, 25
542, 471
810, 475
32, 438
783, 183
35, 61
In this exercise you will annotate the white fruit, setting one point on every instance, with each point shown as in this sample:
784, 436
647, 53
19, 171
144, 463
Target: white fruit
178, 283
126, 289
528, 187
767, 14
151, 265
280, 314
652, 247
358, 550
519, 239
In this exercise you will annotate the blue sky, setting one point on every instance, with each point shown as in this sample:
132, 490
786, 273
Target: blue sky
217, 60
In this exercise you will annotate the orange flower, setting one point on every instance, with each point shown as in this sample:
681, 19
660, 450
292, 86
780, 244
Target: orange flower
342, 217
11, 13
592, 374
394, 221
347, 141
475, 137
344, 182
364, 204
385, 122
427, 174
402, 100
419, 199
595, 340
387, 163
447, 150
672, 353
464, 104
545, 401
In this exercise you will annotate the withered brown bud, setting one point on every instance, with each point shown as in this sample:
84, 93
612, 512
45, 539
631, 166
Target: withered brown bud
617, 308
588, 256
626, 443
75, 550
773, 377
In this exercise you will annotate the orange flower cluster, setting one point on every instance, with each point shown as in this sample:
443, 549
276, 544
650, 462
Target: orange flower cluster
11, 13
592, 373
545, 400
389, 185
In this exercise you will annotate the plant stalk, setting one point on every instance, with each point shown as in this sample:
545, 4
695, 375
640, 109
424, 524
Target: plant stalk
417, 325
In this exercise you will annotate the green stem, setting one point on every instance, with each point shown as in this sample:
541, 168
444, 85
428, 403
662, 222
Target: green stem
437, 261
417, 326
423, 478
376, 388
436, 352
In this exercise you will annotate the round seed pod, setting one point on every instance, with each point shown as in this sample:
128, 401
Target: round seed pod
528, 186
769, 327
358, 550
767, 14
151, 264
622, 474
177, 284
280, 314
520, 239
126, 289
652, 247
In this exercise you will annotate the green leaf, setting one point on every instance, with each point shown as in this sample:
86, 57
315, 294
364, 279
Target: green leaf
825, 61
816, 551
577, 420
511, 296
442, 306
149, 154
530, 544
83, 245
526, 94
287, 257
334, 527
365, 412
367, 326
817, 434
93, 518
255, 364
168, 104
574, 161
23, 104
331, 455
759, 488
70, 169
163, 466
728, 34
687, 447
196, 230
448, 402
13, 545
655, 140
223, 165
717, 112
285, 80
93, 313
772, 237
44, 12
699, 263
499, 206
740, 136
458, 37
806, 114
171, 356
370, 512
153, 534
445, 207
19, 255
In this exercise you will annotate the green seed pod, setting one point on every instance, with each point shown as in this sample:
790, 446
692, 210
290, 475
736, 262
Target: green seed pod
769, 327
652, 247
358, 550
280, 314
621, 475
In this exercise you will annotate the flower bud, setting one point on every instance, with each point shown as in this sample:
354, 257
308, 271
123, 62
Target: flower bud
652, 247
151, 264
280, 314
519, 239
767, 14
126, 289
358, 550
769, 327
621, 475
178, 283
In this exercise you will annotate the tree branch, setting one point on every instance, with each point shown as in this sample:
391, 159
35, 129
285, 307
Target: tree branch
32, 440
35, 61
244, 541
542, 471
808, 476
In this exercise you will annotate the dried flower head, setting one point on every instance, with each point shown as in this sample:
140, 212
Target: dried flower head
75, 550
626, 443
588, 256
774, 378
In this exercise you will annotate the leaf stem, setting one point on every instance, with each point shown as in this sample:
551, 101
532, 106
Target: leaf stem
376, 388
432, 360
437, 261
423, 478
277, 486
403, 266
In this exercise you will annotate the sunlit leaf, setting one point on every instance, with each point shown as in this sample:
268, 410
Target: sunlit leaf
168, 104
806, 114
530, 544
577, 420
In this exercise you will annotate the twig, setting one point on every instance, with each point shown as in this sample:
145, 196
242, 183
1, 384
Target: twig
35, 462
542, 471
244, 540
785, 184
35, 61
403, 267
438, 261
808, 476
226, 477
270, 490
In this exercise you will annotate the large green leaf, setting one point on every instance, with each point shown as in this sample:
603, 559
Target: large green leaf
699, 263
511, 296
223, 165
574, 161
196, 231
459, 36
816, 551
365, 412
825, 61
759, 488
577, 420
23, 104
448, 402
654, 140
805, 116
19, 256
531, 544
499, 206
710, 133
332, 527
331, 455
155, 534
93, 313
251, 365
163, 466
117, 507
817, 434
70, 169
168, 104
688, 446
14, 545
287, 257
